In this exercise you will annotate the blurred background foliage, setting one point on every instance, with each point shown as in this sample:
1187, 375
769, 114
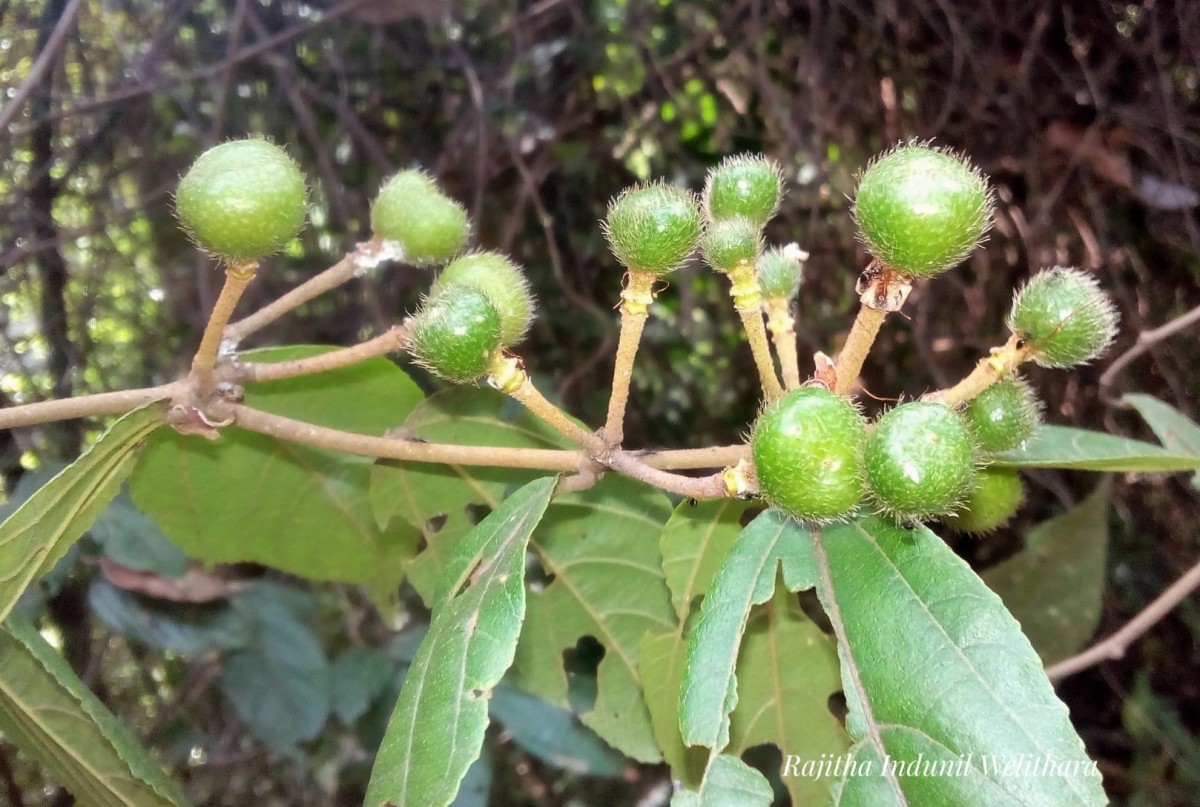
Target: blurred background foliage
534, 114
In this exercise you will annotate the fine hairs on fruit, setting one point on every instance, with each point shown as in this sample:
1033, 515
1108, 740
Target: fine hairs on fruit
653, 227
1064, 317
502, 281
412, 212
456, 334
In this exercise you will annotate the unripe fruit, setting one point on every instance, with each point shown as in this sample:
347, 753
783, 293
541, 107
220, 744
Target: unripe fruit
994, 501
1064, 317
730, 242
653, 228
922, 210
501, 281
807, 450
242, 200
779, 270
1004, 415
428, 226
456, 335
746, 185
920, 460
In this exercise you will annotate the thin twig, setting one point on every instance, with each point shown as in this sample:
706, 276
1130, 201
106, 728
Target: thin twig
508, 375
237, 278
783, 334
1001, 362
747, 300
391, 341
1145, 341
105, 403
1114, 646
44, 61
635, 308
858, 346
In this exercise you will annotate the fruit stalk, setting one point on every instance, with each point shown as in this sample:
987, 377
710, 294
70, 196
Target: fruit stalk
508, 375
392, 340
747, 299
858, 346
636, 298
783, 334
1001, 362
237, 278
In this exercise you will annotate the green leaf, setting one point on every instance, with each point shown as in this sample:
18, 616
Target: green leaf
42, 529
183, 628
136, 542
600, 547
1176, 430
553, 735
694, 544
936, 672
250, 497
279, 682
1083, 450
443, 501
747, 578
729, 783
359, 676
437, 728
1055, 584
48, 712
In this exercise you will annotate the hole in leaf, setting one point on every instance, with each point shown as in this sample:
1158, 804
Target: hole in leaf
476, 694
435, 524
422, 544
767, 759
811, 606
468, 579
580, 663
837, 707
477, 512
536, 576
750, 514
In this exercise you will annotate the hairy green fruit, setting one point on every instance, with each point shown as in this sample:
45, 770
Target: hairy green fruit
428, 226
501, 281
1064, 317
730, 242
920, 460
807, 450
746, 185
1004, 415
921, 210
992, 503
779, 271
653, 228
456, 335
242, 200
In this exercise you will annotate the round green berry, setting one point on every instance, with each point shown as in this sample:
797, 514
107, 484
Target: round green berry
747, 185
653, 228
920, 460
242, 200
779, 270
807, 450
1004, 415
731, 242
992, 503
428, 226
922, 210
456, 335
502, 282
1063, 317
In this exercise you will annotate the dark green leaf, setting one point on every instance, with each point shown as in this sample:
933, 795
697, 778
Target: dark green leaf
1054, 585
249, 497
936, 671
694, 544
186, 629
729, 782
136, 542
1176, 430
279, 682
437, 728
42, 529
1080, 449
48, 712
359, 675
553, 735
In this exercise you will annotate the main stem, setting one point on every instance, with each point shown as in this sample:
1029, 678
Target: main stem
783, 334
858, 346
636, 298
237, 278
747, 299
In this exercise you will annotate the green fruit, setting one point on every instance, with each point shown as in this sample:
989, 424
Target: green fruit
920, 460
456, 335
242, 200
1064, 317
922, 210
746, 185
1004, 415
730, 242
428, 226
653, 228
504, 284
779, 270
807, 450
994, 501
